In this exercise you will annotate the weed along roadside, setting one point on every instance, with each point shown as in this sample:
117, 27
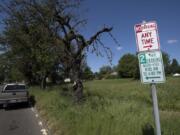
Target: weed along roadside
112, 107
118, 106
150, 62
75, 66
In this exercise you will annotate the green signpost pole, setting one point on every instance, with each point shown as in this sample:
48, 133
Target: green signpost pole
155, 109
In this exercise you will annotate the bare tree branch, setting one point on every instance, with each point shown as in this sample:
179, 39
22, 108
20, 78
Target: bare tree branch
94, 37
79, 22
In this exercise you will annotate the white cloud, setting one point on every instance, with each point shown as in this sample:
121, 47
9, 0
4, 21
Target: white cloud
119, 48
172, 41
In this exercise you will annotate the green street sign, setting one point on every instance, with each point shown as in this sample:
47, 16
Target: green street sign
151, 67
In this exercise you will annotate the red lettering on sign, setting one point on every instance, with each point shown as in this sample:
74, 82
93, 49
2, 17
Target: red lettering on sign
148, 41
145, 35
148, 26
138, 28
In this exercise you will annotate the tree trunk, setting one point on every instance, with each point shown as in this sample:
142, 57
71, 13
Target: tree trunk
78, 90
78, 85
43, 82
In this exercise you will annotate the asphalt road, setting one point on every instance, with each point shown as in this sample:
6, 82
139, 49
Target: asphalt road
18, 120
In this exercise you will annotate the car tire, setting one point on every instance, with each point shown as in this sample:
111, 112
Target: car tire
28, 103
5, 105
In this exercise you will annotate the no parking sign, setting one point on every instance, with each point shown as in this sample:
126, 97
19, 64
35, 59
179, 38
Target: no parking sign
147, 38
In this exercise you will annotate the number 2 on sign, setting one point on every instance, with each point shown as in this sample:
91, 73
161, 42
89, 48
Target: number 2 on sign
142, 58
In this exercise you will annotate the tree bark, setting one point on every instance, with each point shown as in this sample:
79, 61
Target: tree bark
78, 90
43, 82
78, 85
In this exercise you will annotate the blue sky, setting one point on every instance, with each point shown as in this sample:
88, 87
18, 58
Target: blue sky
123, 15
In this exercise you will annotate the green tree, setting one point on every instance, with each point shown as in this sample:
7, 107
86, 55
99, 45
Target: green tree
178, 69
87, 74
32, 43
136, 72
105, 70
8, 69
16, 75
174, 66
3, 68
167, 62
37, 30
128, 66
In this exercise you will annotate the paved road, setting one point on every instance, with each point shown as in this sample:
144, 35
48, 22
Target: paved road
18, 121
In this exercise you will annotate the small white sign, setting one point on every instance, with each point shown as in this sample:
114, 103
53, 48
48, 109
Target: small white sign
147, 36
151, 67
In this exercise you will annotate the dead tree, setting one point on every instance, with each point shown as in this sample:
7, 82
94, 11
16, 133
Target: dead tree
75, 56
75, 46
62, 26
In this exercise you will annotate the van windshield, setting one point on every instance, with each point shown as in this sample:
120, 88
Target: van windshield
15, 87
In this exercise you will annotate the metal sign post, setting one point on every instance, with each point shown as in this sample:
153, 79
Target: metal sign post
155, 109
150, 62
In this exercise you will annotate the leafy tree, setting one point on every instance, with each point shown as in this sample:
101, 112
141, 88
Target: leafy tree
31, 42
174, 66
16, 75
105, 70
178, 69
3, 68
43, 31
136, 73
167, 62
97, 76
114, 68
8, 69
87, 74
128, 66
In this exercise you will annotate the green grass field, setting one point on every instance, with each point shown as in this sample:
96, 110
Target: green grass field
111, 107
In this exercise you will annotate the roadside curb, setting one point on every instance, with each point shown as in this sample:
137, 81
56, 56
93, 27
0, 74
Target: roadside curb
43, 125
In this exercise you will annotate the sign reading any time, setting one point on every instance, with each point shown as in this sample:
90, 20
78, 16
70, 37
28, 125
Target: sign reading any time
151, 67
147, 36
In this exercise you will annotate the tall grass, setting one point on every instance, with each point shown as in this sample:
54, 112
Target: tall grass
111, 107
